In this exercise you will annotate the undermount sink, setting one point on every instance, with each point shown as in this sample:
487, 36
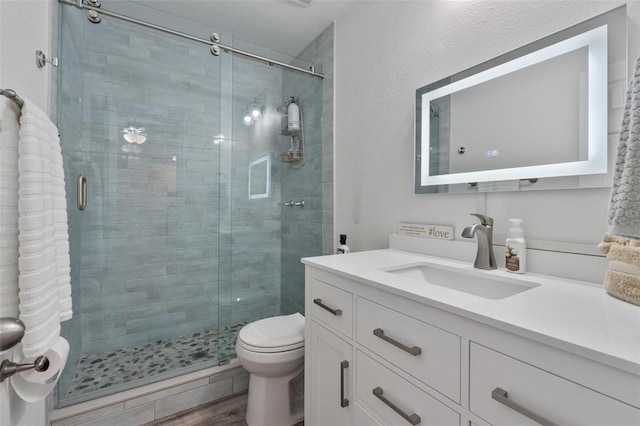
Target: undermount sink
478, 283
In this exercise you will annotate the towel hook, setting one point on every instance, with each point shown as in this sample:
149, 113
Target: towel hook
41, 60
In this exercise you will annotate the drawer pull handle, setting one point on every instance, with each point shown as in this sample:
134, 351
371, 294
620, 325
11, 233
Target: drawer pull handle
414, 350
336, 312
344, 402
500, 395
414, 419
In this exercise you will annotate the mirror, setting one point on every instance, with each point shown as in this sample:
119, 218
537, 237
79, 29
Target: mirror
260, 178
535, 118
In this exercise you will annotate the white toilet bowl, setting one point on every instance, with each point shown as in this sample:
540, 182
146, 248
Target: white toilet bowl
272, 351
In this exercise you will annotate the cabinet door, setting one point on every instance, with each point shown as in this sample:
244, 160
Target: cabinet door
361, 417
331, 376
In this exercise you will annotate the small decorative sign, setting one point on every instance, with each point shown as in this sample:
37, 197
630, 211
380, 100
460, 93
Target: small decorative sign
427, 231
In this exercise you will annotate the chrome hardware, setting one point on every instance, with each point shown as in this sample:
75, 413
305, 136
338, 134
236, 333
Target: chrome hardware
414, 350
414, 419
215, 38
9, 368
485, 259
500, 395
11, 332
93, 17
11, 94
215, 50
82, 192
336, 312
292, 203
344, 402
42, 61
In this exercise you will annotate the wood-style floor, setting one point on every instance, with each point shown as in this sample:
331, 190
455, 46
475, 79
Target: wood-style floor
225, 412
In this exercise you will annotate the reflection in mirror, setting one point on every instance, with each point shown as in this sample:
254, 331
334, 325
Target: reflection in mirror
537, 112
260, 178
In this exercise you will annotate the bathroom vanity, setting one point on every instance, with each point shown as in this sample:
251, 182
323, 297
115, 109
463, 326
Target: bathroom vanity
385, 346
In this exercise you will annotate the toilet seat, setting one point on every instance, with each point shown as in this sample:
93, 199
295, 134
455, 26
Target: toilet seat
275, 334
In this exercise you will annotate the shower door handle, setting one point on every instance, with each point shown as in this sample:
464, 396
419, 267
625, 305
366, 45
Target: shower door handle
82, 192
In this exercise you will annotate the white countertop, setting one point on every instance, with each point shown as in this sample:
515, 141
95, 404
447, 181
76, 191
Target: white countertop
575, 316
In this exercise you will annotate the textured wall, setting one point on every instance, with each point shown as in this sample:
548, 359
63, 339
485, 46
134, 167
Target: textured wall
308, 231
384, 51
169, 244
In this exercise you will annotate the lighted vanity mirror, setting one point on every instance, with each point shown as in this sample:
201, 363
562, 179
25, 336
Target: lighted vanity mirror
538, 117
260, 178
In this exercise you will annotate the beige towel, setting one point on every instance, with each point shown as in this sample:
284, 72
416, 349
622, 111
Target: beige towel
623, 286
622, 280
609, 240
626, 254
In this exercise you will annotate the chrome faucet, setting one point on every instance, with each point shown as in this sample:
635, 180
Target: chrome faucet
485, 258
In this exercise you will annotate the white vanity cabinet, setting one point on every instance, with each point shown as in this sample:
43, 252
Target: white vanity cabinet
410, 363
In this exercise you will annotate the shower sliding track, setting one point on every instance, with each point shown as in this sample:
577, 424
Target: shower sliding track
213, 43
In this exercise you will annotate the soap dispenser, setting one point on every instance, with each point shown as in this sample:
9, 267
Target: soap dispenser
516, 248
343, 247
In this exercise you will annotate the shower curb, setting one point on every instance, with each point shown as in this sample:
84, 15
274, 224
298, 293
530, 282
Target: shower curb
158, 400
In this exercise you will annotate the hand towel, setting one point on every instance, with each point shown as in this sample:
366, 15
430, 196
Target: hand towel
43, 255
9, 125
622, 279
626, 254
624, 204
623, 286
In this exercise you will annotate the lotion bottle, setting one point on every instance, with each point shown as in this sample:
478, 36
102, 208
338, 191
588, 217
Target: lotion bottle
343, 247
516, 248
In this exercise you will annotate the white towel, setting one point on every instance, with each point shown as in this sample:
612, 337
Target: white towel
624, 205
43, 255
9, 125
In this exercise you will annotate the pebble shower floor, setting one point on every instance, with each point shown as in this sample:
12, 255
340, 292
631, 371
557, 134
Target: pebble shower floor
96, 372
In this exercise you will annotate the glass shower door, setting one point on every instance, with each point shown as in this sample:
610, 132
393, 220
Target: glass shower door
139, 115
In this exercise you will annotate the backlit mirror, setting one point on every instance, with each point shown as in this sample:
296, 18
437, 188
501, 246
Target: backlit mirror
539, 117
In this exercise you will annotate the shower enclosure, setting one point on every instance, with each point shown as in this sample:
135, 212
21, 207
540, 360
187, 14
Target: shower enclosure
174, 251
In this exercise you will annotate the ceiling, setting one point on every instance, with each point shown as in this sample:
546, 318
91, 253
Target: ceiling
285, 26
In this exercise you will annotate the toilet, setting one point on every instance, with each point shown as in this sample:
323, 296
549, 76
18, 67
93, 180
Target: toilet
272, 351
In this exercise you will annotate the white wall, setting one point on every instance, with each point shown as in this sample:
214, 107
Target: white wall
384, 51
26, 26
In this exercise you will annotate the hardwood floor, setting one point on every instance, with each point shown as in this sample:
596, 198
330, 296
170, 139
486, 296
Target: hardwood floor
225, 412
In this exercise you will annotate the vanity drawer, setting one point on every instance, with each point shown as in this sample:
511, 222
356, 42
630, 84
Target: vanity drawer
540, 393
332, 306
428, 353
418, 406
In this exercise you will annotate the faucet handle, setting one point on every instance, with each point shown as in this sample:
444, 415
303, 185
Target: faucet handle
484, 220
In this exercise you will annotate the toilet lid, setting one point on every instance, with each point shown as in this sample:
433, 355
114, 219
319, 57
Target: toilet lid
274, 332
